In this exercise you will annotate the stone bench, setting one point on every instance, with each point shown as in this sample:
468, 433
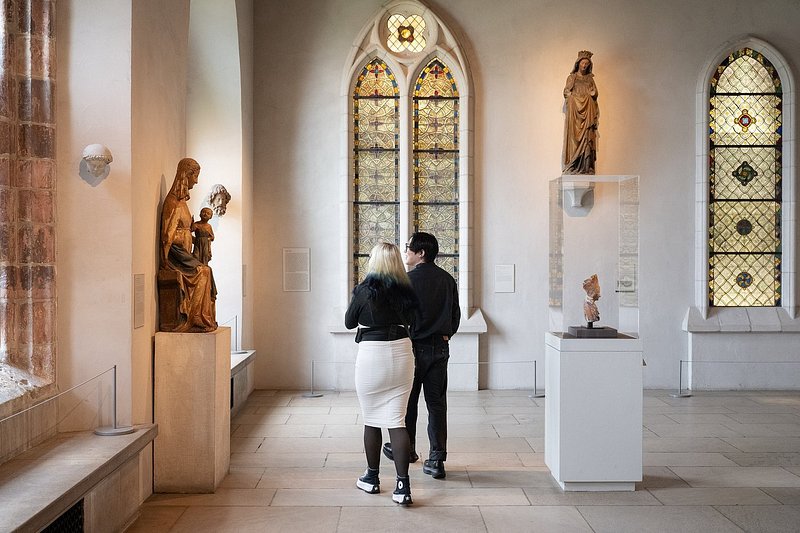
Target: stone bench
243, 364
109, 477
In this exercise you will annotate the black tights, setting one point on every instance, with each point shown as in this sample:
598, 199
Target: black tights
401, 447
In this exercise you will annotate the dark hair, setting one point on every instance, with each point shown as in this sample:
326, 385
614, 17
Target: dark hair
400, 296
425, 242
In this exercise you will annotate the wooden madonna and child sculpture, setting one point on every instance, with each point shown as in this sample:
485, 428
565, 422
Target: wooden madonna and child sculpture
186, 290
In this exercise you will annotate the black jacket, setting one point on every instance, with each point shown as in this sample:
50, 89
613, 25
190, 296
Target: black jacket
379, 307
438, 313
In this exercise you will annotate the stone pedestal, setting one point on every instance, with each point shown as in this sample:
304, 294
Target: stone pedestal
593, 413
192, 410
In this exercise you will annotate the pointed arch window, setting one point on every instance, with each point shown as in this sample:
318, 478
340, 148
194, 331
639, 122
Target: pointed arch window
407, 85
376, 211
745, 182
436, 160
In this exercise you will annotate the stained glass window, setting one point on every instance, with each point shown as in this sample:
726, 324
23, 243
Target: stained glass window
435, 201
376, 211
406, 34
745, 182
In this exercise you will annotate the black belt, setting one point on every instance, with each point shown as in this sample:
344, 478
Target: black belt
382, 333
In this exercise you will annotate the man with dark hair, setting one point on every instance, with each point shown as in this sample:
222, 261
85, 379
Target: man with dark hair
437, 319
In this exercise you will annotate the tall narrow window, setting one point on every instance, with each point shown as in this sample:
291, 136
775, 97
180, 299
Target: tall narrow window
745, 182
436, 157
376, 211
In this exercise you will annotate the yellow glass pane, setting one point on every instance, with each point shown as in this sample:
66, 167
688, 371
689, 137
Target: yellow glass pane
436, 80
441, 221
745, 74
745, 227
376, 80
744, 280
436, 124
406, 33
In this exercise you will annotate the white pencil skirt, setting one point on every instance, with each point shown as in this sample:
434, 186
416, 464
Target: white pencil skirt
384, 376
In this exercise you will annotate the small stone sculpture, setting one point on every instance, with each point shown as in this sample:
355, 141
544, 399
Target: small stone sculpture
592, 287
97, 157
203, 235
218, 199
580, 126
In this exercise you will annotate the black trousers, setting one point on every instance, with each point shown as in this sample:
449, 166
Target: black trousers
430, 377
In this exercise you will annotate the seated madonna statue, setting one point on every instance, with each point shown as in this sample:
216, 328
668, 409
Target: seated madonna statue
186, 289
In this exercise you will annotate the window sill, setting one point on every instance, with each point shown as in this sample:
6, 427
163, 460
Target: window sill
19, 390
740, 320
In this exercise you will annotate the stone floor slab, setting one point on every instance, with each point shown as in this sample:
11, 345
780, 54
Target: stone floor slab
737, 476
785, 495
556, 496
713, 496
685, 459
633, 519
418, 517
783, 519
534, 519
257, 519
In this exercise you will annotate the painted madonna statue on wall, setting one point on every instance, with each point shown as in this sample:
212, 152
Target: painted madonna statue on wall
580, 125
186, 289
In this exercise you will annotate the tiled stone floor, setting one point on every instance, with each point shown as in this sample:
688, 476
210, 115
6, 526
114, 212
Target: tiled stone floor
721, 461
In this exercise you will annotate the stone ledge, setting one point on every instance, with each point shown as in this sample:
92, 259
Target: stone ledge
39, 485
740, 320
241, 359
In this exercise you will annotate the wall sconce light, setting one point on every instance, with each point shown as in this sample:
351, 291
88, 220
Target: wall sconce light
97, 157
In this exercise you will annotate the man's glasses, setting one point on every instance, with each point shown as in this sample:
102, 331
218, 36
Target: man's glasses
406, 249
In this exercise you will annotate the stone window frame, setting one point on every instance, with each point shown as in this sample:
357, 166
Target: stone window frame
698, 315
28, 208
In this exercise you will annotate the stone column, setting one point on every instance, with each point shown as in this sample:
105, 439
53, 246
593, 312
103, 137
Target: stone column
27, 187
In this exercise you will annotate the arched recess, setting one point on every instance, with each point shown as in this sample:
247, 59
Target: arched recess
702, 182
406, 35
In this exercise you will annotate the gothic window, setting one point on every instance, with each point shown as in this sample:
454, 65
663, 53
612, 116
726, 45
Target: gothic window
376, 214
407, 87
436, 159
745, 170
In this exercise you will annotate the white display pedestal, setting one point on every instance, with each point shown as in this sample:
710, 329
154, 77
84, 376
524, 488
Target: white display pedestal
192, 452
593, 412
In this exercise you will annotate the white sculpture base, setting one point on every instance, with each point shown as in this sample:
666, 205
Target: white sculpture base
593, 413
192, 452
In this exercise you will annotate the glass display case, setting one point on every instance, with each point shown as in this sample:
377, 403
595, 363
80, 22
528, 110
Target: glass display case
594, 229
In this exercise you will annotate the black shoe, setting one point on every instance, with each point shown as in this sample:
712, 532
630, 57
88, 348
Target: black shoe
387, 451
369, 482
402, 492
434, 468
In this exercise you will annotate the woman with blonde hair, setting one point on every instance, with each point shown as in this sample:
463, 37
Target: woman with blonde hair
383, 306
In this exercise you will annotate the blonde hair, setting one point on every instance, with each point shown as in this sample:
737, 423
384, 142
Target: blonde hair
385, 262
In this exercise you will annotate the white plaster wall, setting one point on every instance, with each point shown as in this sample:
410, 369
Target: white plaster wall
648, 56
748, 360
94, 222
121, 82
215, 139
158, 140
244, 19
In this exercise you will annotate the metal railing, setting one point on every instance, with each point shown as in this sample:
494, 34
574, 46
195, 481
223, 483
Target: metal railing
681, 393
316, 394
